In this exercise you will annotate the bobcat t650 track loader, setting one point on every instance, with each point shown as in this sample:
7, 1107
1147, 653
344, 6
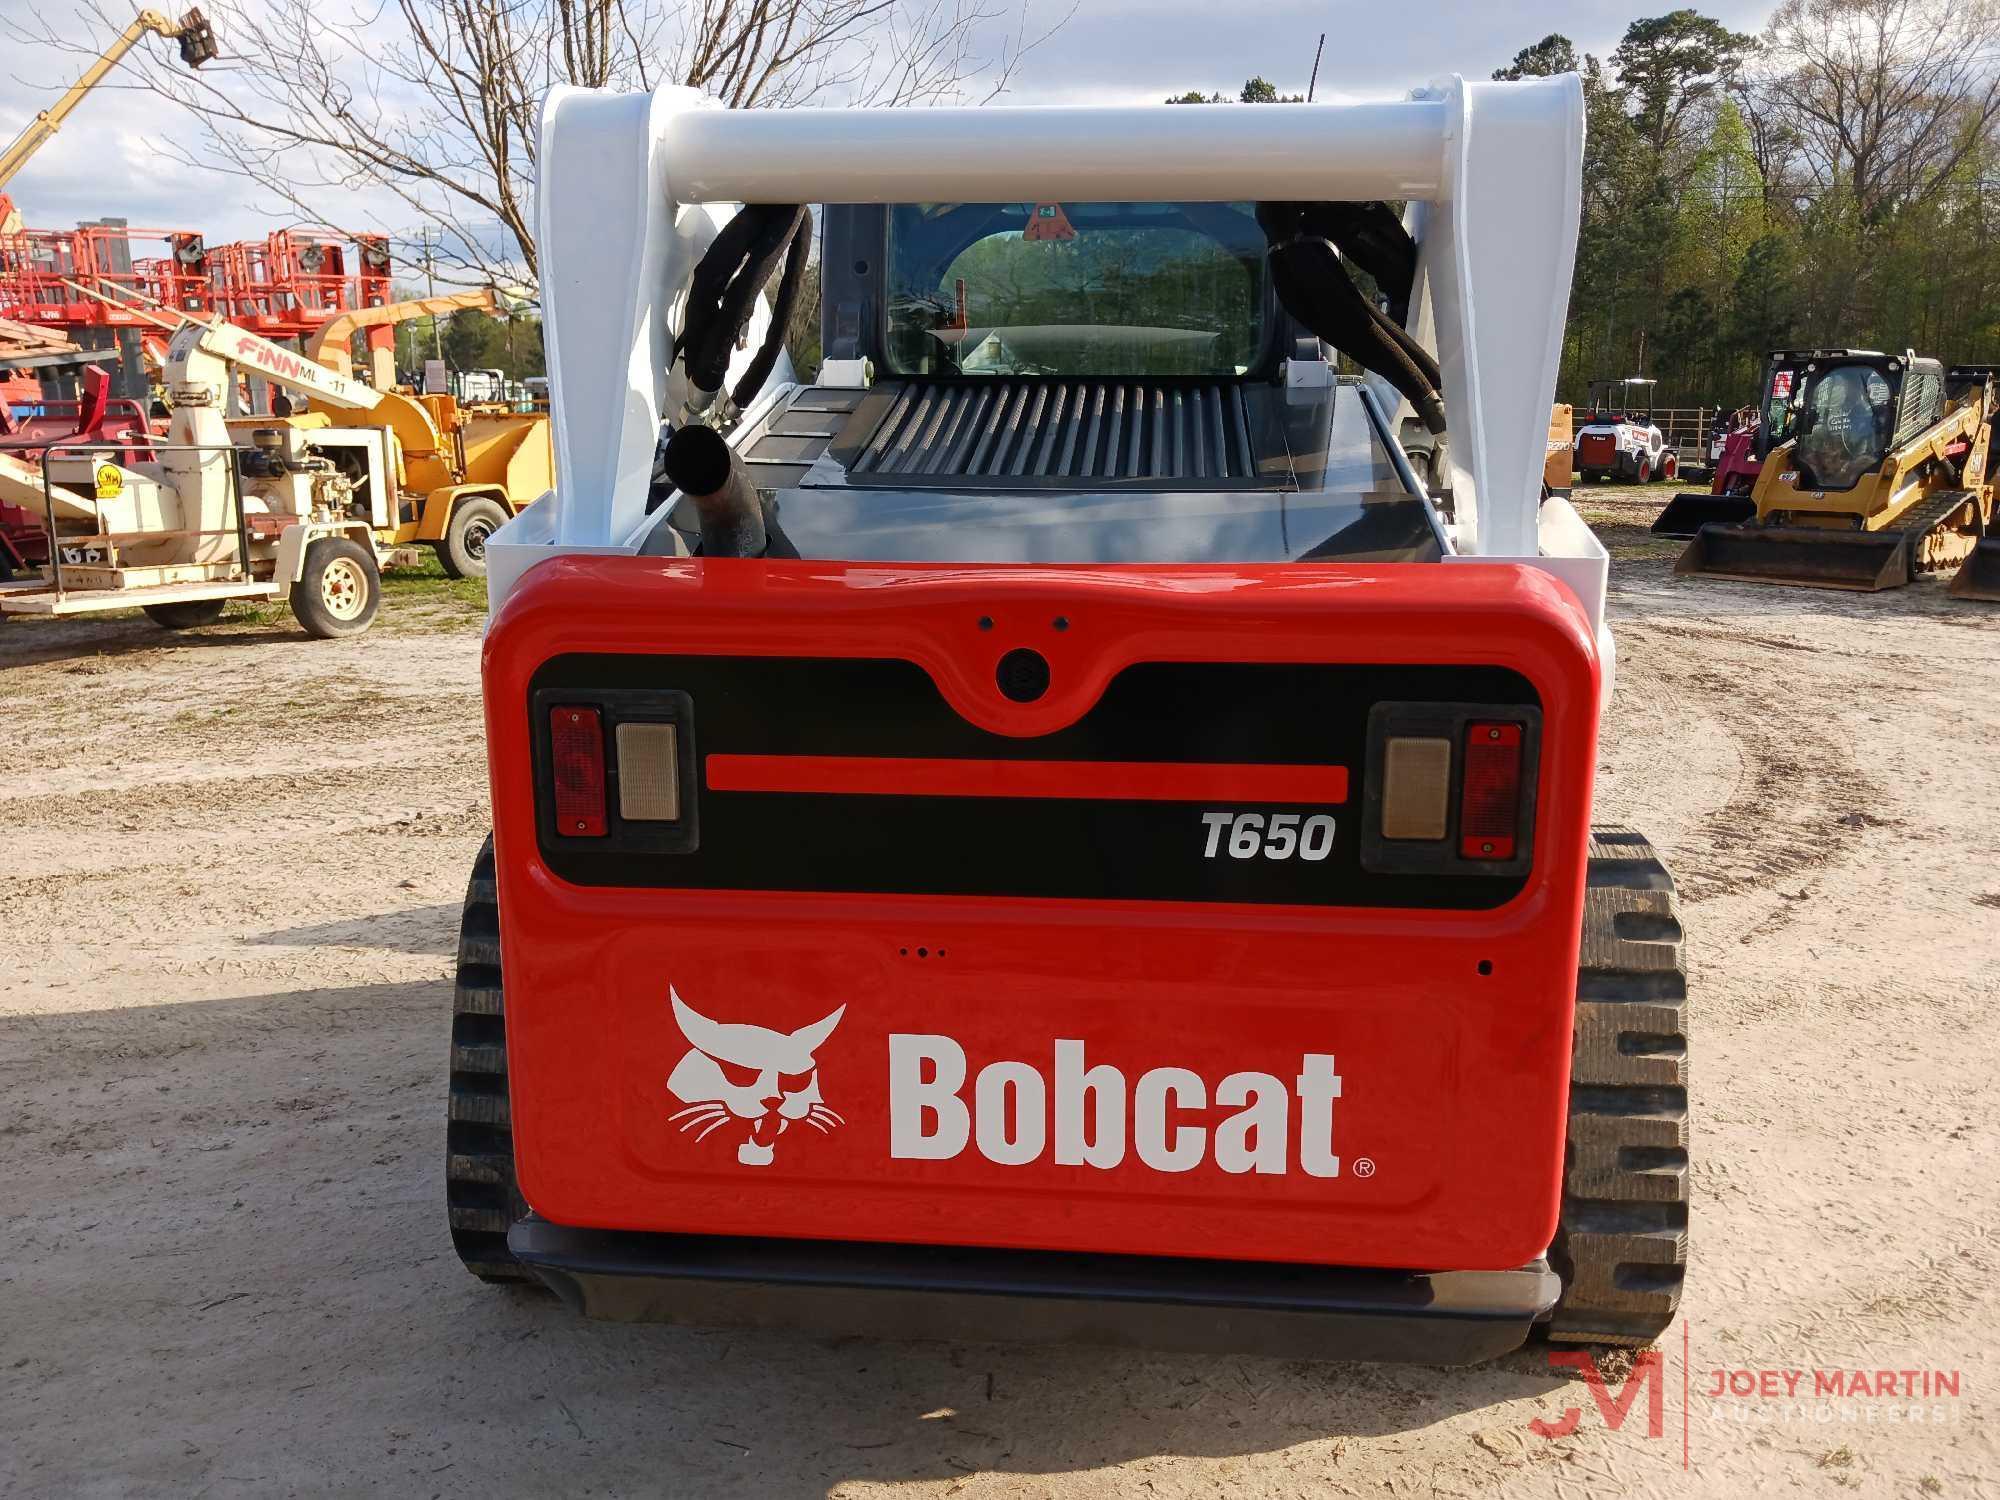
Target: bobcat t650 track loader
1058, 828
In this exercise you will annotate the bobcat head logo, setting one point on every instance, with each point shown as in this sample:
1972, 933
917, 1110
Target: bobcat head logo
734, 1072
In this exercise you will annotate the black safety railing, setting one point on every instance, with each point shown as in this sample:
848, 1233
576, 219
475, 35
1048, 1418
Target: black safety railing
159, 450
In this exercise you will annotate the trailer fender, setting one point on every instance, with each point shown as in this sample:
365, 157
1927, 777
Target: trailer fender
293, 541
435, 520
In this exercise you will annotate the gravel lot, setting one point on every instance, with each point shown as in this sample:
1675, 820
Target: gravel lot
234, 862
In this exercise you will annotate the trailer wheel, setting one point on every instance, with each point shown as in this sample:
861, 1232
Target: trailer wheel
1621, 1247
186, 614
462, 552
482, 1198
340, 589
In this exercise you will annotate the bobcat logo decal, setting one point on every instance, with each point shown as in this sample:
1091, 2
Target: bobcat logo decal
733, 1072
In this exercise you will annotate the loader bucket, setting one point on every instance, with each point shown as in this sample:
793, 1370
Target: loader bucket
1687, 513
1807, 556
1978, 577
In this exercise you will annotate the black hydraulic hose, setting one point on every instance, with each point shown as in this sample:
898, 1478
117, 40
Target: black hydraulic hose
797, 258
1373, 237
1314, 285
723, 291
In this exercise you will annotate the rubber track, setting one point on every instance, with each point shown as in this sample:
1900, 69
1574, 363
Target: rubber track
1924, 517
480, 1191
1621, 1249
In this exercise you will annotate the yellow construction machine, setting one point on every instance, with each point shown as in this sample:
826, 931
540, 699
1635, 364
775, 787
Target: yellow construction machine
1559, 468
1978, 576
196, 40
1886, 476
464, 472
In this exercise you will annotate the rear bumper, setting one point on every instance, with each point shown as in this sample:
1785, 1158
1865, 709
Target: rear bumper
1039, 1297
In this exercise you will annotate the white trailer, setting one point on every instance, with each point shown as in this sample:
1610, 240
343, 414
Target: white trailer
202, 521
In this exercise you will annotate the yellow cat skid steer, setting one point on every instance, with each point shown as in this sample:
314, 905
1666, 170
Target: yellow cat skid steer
1885, 478
1979, 576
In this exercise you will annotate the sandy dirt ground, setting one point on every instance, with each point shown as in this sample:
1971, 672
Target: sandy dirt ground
232, 868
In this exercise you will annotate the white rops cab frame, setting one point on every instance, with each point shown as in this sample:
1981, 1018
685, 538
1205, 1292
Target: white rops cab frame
634, 187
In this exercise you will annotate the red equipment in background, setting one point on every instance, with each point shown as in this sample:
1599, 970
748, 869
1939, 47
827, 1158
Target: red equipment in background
38, 267
284, 286
296, 279
27, 428
1737, 469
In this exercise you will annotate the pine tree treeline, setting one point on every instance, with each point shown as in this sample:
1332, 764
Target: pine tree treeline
1831, 182
1828, 183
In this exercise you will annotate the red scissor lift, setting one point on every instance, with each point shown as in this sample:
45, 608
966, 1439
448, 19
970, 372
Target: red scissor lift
112, 276
294, 280
91, 277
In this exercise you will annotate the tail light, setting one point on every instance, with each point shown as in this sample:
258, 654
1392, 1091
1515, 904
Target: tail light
1450, 788
649, 782
1490, 791
617, 765
576, 766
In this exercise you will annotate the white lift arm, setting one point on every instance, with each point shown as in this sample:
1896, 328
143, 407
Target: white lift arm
1493, 171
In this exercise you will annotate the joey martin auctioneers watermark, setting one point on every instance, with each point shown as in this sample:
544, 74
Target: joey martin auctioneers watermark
1798, 1396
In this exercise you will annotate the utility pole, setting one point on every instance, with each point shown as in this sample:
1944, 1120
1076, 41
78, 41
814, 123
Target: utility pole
430, 290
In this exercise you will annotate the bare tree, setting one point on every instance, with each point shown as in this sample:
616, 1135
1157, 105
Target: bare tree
433, 102
1888, 98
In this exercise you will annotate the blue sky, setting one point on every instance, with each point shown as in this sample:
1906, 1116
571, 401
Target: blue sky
106, 160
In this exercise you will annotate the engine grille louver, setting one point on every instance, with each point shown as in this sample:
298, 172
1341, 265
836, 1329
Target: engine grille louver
1061, 430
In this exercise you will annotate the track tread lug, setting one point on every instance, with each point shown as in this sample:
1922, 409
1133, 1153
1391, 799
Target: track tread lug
1622, 1245
482, 1198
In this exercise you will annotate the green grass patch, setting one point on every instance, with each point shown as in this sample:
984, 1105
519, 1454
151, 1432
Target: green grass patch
424, 594
1627, 542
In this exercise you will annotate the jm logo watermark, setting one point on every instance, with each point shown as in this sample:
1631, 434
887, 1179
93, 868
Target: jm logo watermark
1646, 1377
1747, 1395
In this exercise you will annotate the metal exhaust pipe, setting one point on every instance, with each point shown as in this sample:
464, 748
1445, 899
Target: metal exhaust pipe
734, 519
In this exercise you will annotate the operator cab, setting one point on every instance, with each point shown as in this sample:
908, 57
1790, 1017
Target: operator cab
1777, 417
1073, 382
1853, 410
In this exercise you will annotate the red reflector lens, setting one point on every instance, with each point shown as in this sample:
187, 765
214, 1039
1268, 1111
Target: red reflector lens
576, 761
1490, 798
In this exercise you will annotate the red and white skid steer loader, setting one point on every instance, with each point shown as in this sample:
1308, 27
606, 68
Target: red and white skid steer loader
1055, 830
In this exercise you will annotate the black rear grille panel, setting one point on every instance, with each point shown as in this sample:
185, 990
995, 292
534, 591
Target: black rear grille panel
1191, 433
1076, 849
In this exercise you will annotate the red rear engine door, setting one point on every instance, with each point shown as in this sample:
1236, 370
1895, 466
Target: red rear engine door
1044, 907
1596, 449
